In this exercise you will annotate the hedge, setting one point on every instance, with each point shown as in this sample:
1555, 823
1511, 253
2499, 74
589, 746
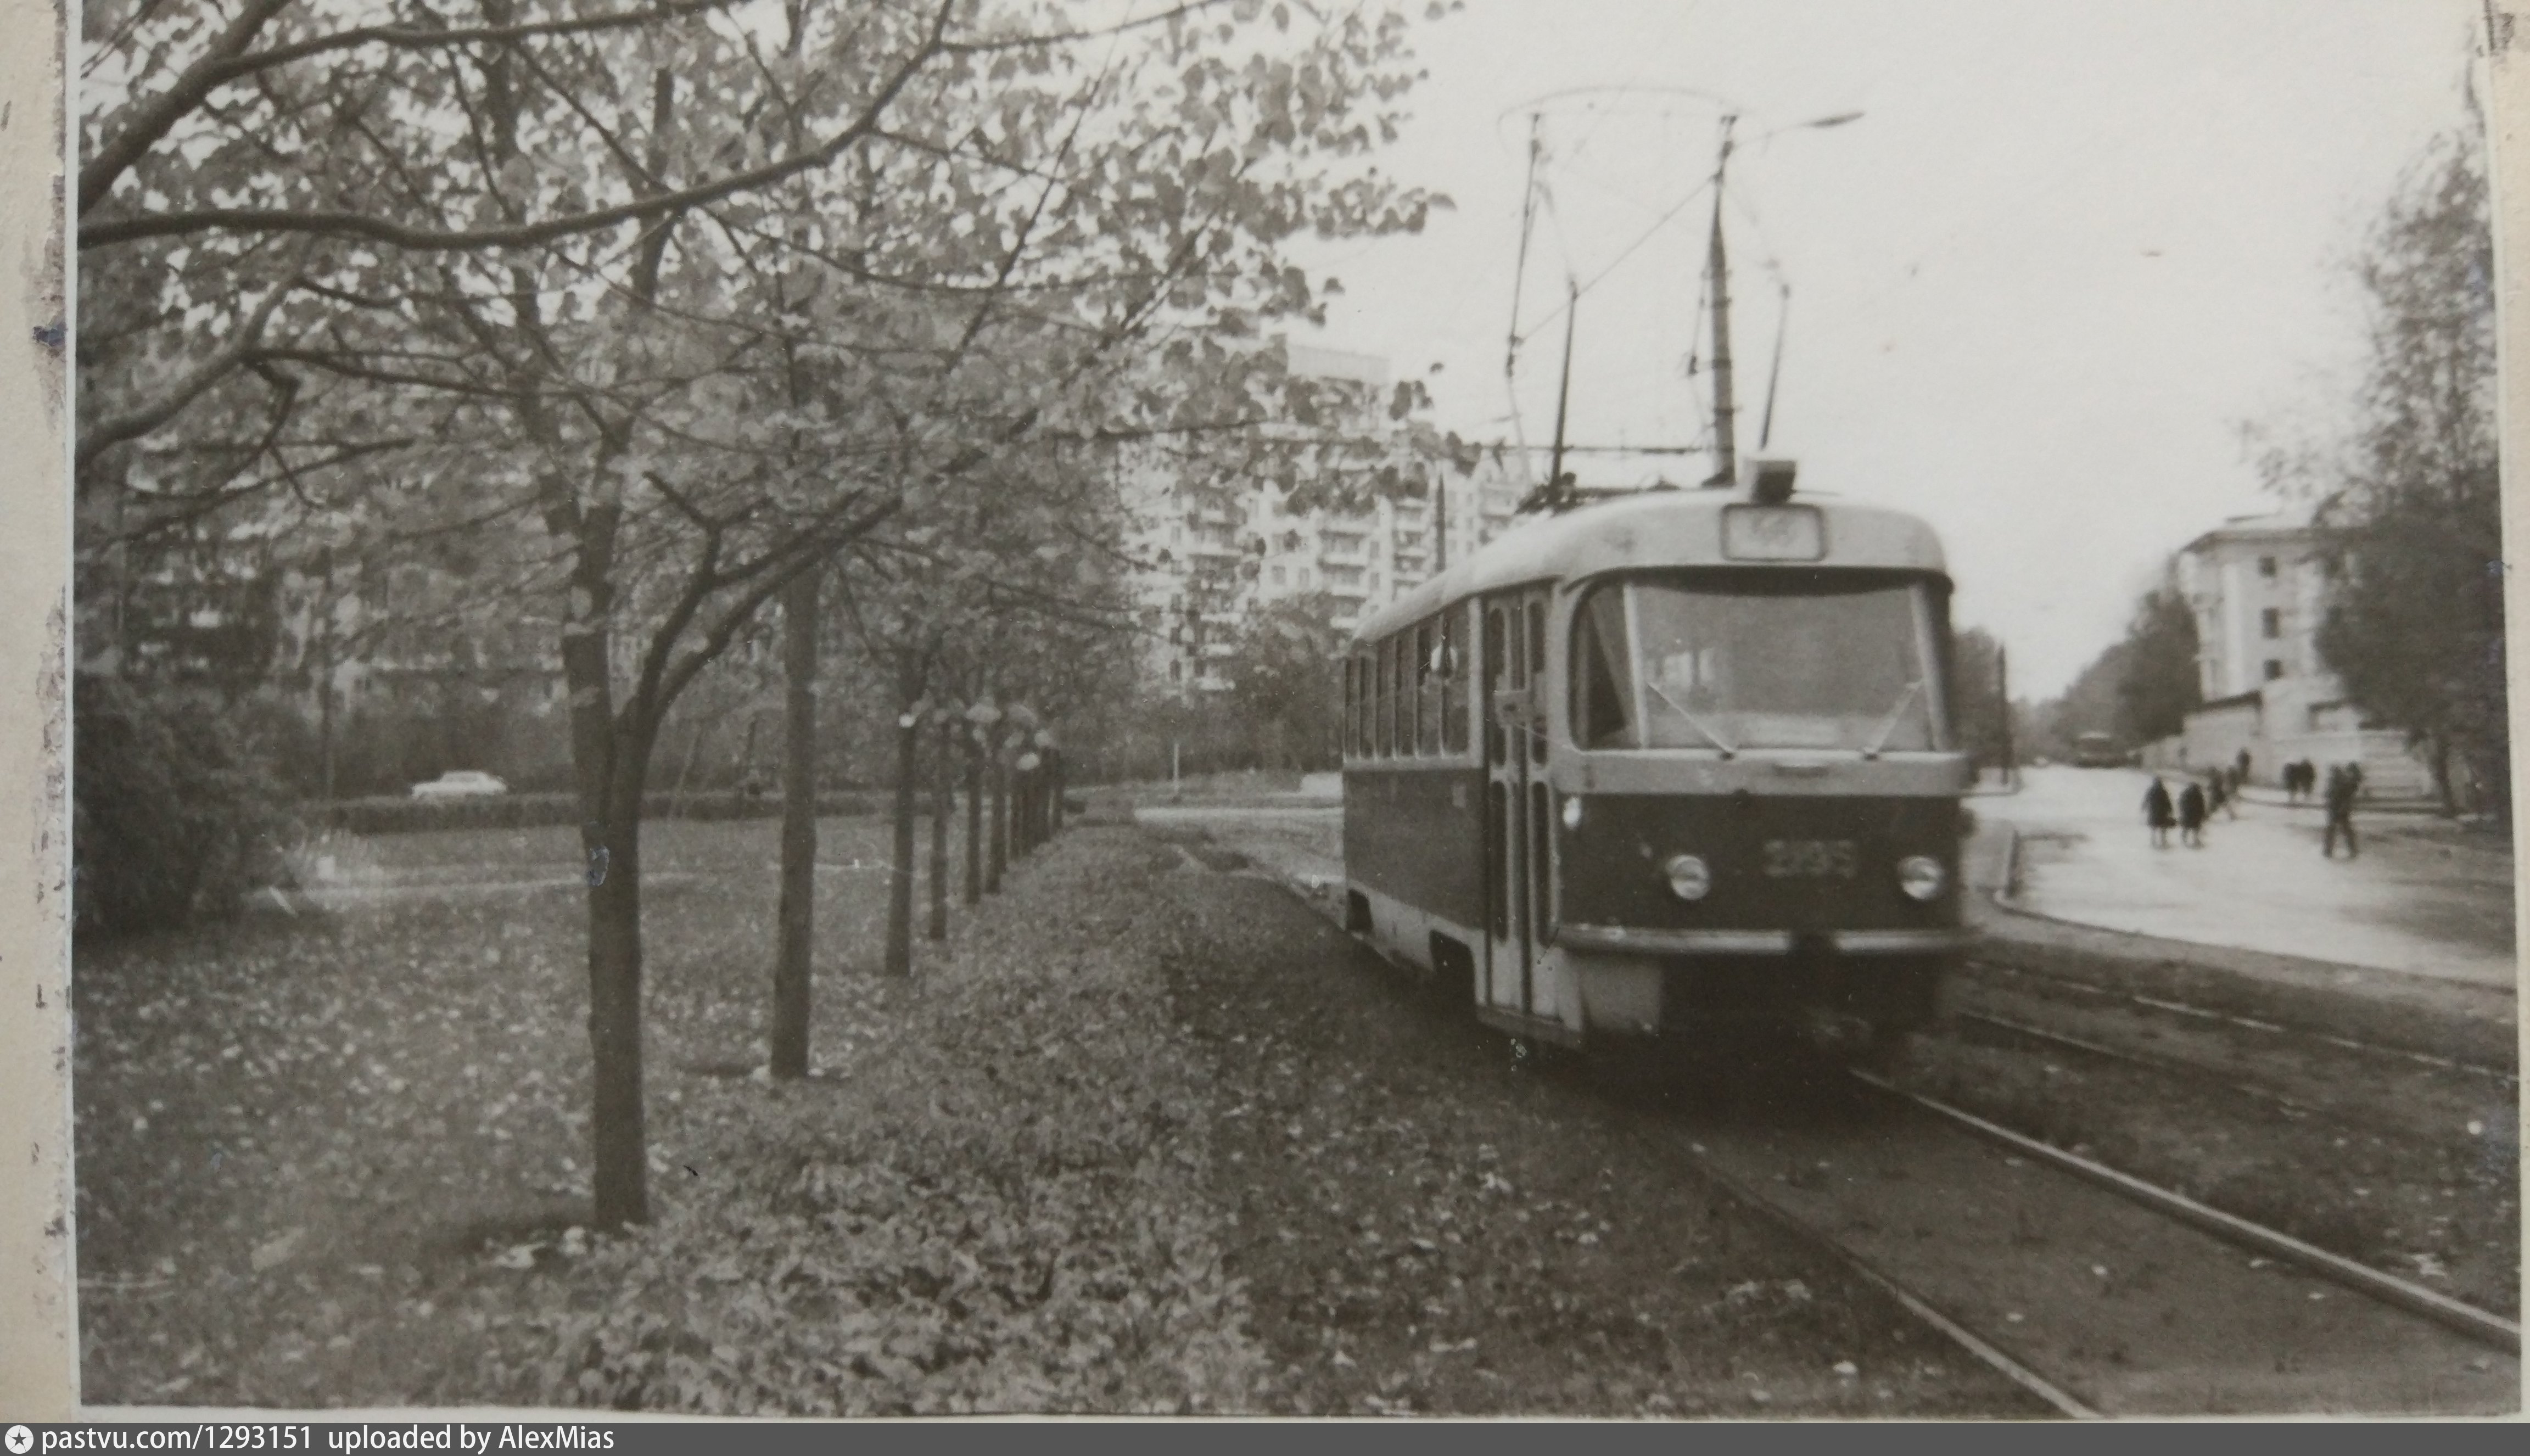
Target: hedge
174, 814
390, 814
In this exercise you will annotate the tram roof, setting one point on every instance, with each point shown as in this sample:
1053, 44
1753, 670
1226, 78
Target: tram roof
1657, 528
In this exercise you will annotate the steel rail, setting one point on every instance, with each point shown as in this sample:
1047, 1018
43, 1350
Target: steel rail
2203, 1014
1959, 1334
2466, 1318
2165, 1065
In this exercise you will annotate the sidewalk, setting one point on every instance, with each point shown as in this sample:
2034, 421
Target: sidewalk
2260, 882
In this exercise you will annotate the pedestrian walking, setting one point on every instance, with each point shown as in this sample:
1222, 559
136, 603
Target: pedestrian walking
2222, 791
2156, 813
2240, 766
2192, 814
2343, 781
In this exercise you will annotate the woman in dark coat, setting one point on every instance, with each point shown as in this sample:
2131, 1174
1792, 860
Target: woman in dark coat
2156, 813
2192, 814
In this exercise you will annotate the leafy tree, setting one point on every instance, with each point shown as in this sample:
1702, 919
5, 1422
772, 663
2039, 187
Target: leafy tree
2140, 688
2158, 685
507, 289
1984, 723
2415, 627
1286, 682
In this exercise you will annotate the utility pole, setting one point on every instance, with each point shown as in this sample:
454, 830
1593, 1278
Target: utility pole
1725, 464
1775, 371
1564, 390
2003, 685
1441, 520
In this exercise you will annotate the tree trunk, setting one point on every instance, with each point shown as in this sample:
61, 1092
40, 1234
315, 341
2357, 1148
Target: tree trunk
998, 854
1022, 811
1037, 805
746, 751
797, 916
325, 682
1054, 796
685, 770
900, 883
609, 761
975, 818
619, 1137
941, 766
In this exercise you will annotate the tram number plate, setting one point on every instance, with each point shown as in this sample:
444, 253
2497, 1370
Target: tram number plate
1810, 859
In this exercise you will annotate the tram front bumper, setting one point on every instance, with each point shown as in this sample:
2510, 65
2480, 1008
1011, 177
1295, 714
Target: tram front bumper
1632, 980
1617, 939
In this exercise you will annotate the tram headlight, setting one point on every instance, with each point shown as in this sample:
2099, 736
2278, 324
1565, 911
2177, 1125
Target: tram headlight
1573, 812
1921, 876
1688, 878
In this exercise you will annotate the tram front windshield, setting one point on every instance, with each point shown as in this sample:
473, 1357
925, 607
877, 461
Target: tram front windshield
1757, 660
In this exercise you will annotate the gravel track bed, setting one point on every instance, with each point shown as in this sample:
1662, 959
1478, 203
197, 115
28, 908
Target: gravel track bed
1423, 1226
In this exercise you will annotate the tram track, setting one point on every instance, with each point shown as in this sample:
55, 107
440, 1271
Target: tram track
2097, 1292
2186, 1013
2100, 1292
2482, 1326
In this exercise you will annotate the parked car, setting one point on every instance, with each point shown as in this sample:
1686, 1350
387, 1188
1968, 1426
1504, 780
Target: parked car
460, 784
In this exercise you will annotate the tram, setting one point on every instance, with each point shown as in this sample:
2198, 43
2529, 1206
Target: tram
1670, 762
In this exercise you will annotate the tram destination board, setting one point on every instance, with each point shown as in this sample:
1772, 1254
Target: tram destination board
1773, 533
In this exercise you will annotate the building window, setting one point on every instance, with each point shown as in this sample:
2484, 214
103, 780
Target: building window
2266, 566
2275, 669
2271, 623
1176, 671
1304, 578
1278, 581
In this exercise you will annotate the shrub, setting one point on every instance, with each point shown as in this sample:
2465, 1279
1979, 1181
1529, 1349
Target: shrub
172, 818
398, 815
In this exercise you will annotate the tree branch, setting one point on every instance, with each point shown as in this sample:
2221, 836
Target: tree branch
115, 429
521, 234
226, 61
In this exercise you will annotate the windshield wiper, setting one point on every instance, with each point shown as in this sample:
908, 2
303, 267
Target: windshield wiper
1888, 725
1694, 722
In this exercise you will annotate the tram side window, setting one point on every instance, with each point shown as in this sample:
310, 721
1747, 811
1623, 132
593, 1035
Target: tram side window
1406, 687
1603, 679
1492, 683
1349, 715
1383, 706
1401, 690
1454, 680
1361, 704
1428, 683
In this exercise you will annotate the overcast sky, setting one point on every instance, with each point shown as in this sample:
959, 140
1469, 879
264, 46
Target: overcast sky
2067, 252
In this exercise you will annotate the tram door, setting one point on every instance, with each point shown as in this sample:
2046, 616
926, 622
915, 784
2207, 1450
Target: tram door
1516, 839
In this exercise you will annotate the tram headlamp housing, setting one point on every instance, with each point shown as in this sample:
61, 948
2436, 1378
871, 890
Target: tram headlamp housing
1688, 877
1922, 877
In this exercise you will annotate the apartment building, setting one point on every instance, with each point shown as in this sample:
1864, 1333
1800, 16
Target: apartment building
2259, 587
1213, 558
